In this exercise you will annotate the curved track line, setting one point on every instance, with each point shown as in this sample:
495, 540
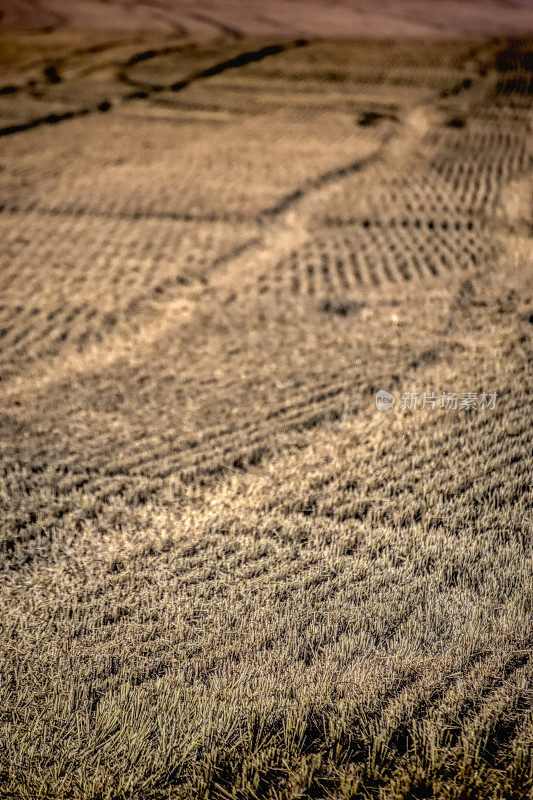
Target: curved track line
104, 105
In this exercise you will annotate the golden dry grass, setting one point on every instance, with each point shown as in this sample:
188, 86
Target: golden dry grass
224, 573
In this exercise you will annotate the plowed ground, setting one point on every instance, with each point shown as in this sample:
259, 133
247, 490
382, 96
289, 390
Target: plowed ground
224, 573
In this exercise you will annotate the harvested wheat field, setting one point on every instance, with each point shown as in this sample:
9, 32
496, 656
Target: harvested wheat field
225, 574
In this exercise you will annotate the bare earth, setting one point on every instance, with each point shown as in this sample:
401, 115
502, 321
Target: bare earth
324, 18
224, 573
